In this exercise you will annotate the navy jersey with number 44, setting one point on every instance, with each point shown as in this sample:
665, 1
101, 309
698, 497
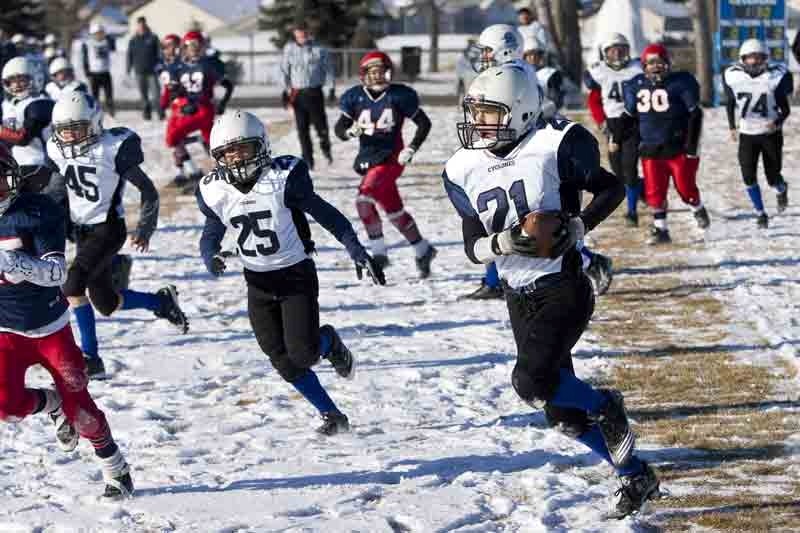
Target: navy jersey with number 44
381, 119
663, 111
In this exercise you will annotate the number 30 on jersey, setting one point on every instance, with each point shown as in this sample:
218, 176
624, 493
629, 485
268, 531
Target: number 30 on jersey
657, 100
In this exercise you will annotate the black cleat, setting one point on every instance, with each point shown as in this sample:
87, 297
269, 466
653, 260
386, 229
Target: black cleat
170, 308
381, 260
424, 262
634, 492
613, 423
783, 198
762, 221
701, 216
631, 220
601, 272
333, 423
121, 271
66, 434
178, 182
95, 368
658, 236
485, 292
339, 356
119, 488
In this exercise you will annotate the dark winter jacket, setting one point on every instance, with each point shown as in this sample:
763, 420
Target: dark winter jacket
144, 53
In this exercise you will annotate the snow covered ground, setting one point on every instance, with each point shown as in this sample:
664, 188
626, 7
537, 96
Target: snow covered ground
440, 442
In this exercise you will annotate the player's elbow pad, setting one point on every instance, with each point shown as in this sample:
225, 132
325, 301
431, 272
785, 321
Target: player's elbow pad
50, 271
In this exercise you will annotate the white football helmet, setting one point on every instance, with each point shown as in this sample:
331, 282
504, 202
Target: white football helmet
18, 77
501, 106
499, 44
758, 49
610, 41
240, 128
77, 123
61, 64
534, 50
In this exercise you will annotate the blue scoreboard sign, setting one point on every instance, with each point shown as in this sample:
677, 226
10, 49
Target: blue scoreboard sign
740, 20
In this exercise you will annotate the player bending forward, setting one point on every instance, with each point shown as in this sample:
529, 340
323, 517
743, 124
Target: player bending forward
513, 165
35, 330
265, 201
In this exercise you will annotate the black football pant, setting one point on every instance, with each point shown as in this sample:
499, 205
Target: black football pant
102, 80
770, 148
309, 108
547, 321
284, 313
95, 248
625, 161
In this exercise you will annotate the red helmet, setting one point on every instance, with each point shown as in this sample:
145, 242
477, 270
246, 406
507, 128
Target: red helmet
373, 59
194, 36
171, 38
656, 49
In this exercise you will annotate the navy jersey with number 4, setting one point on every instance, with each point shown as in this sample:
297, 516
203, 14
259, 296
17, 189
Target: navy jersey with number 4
663, 111
33, 224
381, 119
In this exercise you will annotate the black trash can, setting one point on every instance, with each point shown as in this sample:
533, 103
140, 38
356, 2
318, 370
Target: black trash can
411, 61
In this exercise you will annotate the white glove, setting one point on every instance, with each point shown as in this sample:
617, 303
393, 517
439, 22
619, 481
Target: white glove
354, 131
405, 155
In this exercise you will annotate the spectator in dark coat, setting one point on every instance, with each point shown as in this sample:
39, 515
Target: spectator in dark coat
144, 54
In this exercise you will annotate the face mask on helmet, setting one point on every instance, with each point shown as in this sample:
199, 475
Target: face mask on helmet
9, 181
242, 161
193, 49
754, 64
63, 77
19, 86
169, 49
617, 56
485, 125
535, 57
376, 76
74, 138
485, 59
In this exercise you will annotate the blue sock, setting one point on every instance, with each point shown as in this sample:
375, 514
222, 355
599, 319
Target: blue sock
595, 441
632, 195
576, 394
325, 343
84, 316
309, 386
140, 300
492, 278
754, 192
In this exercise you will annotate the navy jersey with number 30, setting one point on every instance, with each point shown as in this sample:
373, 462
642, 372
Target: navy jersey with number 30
381, 119
663, 109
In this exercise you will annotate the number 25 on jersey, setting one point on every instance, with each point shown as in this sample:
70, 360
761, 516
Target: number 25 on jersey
657, 100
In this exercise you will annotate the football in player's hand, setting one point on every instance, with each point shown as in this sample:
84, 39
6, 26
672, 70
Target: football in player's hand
543, 227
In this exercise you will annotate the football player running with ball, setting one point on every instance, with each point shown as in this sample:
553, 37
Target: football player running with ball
96, 164
35, 330
505, 184
264, 200
761, 92
374, 113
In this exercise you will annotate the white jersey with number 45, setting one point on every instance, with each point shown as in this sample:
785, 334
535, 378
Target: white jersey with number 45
94, 179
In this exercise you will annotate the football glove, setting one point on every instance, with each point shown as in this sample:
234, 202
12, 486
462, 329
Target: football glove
218, 264
354, 131
405, 155
514, 241
374, 270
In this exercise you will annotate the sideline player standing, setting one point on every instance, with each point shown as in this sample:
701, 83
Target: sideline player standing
96, 163
761, 92
513, 164
34, 328
604, 80
374, 112
265, 201
667, 105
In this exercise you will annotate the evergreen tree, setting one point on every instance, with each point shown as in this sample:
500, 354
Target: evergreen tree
333, 22
22, 16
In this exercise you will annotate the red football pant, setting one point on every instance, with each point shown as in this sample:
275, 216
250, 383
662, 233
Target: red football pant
379, 186
179, 126
62, 358
656, 180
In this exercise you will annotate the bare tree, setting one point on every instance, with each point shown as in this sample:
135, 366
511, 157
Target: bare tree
700, 11
562, 18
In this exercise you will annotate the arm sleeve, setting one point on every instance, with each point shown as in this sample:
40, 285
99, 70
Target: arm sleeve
579, 164
129, 154
472, 228
228, 86
782, 92
213, 232
590, 82
148, 212
693, 130
423, 123
300, 194
730, 103
38, 116
341, 127
594, 102
629, 97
